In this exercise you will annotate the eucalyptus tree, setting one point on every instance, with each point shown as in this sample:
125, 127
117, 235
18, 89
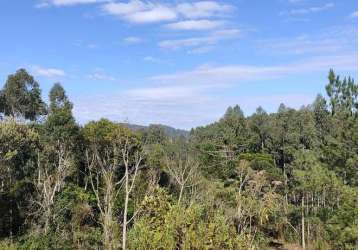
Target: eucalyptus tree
114, 159
21, 97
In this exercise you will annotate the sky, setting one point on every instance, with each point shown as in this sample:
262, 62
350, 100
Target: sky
180, 62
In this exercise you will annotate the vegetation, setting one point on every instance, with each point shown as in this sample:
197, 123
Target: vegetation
244, 182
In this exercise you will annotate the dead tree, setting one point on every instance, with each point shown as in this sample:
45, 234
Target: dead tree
123, 154
183, 169
50, 181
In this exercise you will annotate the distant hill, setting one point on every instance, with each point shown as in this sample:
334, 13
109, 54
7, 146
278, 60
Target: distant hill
170, 131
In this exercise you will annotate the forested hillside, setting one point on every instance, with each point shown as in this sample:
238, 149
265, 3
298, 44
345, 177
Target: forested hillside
264, 181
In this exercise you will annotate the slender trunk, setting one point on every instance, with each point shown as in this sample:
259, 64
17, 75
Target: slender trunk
303, 223
47, 220
124, 228
286, 183
308, 234
11, 212
107, 233
181, 193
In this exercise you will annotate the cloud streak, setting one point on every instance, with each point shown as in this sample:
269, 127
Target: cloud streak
236, 74
64, 3
195, 42
310, 10
140, 12
48, 72
354, 15
195, 25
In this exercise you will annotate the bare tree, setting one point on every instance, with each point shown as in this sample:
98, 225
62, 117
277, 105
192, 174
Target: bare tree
51, 180
107, 185
183, 168
244, 173
129, 180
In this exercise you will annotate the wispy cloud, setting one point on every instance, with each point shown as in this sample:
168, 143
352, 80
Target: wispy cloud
195, 25
296, 1
100, 75
195, 42
140, 12
152, 59
203, 9
47, 72
133, 40
234, 74
62, 3
82, 44
354, 15
308, 10
201, 50
136, 11
333, 40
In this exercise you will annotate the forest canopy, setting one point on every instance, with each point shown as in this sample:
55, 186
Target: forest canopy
264, 181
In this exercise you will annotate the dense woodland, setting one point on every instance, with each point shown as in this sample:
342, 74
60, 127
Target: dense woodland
264, 181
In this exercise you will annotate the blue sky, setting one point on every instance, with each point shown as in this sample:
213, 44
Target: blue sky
181, 62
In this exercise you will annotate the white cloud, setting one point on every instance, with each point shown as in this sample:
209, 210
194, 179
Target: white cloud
354, 15
137, 11
203, 9
163, 93
301, 45
296, 1
195, 25
209, 40
201, 50
60, 3
152, 59
48, 72
156, 14
234, 74
92, 46
309, 10
331, 40
133, 40
100, 75
120, 9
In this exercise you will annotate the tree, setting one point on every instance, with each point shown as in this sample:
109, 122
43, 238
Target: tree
18, 146
114, 159
155, 134
60, 124
259, 125
183, 169
21, 96
343, 94
51, 176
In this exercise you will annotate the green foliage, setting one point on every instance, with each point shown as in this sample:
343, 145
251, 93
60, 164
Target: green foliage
60, 123
166, 226
21, 96
343, 225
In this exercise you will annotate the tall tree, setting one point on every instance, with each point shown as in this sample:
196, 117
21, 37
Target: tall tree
60, 123
114, 161
21, 96
259, 125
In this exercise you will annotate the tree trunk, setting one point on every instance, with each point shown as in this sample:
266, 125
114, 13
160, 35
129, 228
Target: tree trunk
124, 228
107, 233
303, 223
181, 193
